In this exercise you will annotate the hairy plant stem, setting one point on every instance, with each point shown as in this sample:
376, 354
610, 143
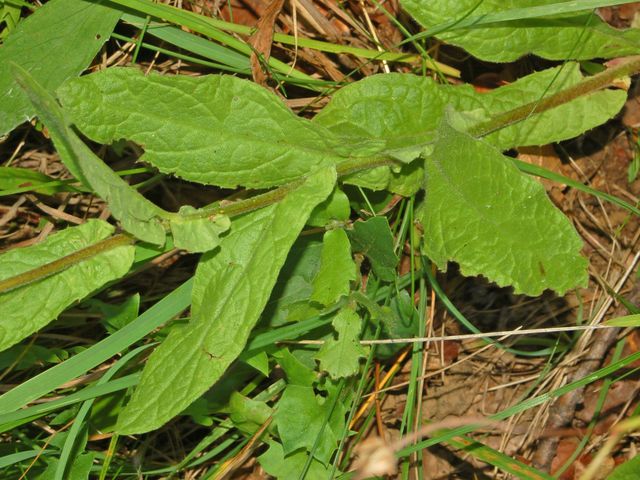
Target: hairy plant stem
57, 266
585, 87
348, 167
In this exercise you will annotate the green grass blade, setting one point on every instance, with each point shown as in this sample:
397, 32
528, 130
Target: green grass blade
161, 312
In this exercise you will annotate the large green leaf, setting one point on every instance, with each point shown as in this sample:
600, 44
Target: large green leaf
481, 212
402, 112
138, 215
214, 129
231, 289
56, 42
575, 36
20, 314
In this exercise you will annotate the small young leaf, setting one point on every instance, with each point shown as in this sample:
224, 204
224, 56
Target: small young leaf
27, 309
481, 212
215, 129
232, 286
56, 42
297, 372
572, 36
197, 234
340, 357
334, 208
248, 415
282, 467
304, 418
373, 238
337, 269
138, 215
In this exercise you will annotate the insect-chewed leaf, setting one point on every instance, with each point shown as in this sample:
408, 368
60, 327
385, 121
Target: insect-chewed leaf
481, 212
215, 129
231, 288
55, 43
28, 308
575, 36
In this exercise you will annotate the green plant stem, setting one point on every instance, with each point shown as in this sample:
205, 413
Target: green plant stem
587, 86
354, 165
63, 263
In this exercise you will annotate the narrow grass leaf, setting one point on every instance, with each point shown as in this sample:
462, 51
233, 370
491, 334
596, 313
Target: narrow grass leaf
191, 43
215, 129
337, 269
138, 215
523, 241
27, 309
231, 289
626, 321
43, 383
15, 177
560, 36
340, 356
56, 42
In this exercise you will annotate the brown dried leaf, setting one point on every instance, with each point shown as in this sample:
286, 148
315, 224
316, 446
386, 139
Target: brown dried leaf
262, 40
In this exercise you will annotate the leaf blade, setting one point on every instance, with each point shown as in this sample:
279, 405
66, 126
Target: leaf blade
235, 283
572, 36
223, 131
526, 243
21, 315
64, 49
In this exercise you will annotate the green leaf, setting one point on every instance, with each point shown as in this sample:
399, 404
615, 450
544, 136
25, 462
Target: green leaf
337, 269
196, 234
626, 321
290, 296
399, 320
137, 214
14, 177
246, 414
334, 209
627, 471
297, 372
276, 464
340, 357
314, 419
214, 129
402, 112
21, 315
231, 289
481, 212
373, 238
56, 42
570, 36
